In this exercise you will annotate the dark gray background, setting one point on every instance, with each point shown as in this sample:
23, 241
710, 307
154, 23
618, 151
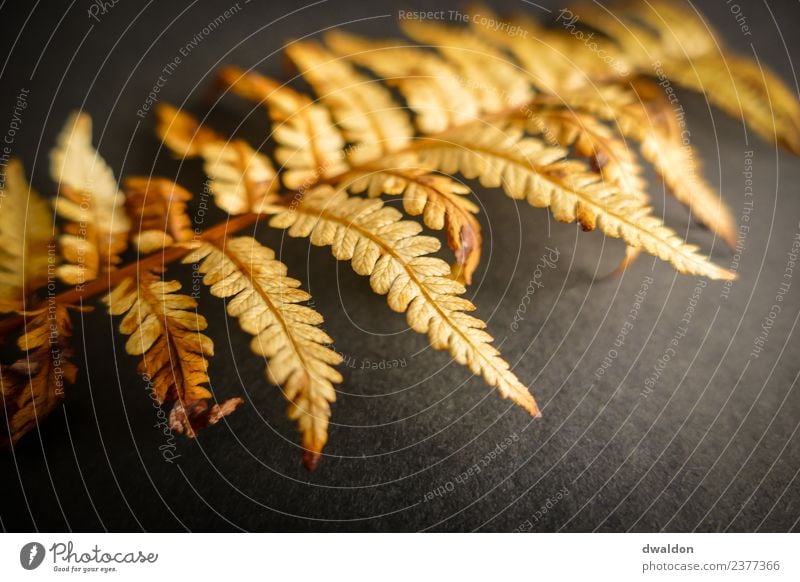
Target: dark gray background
713, 448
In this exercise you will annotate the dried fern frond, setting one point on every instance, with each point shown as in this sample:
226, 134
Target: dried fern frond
267, 305
590, 139
157, 208
34, 385
679, 41
165, 330
242, 179
571, 71
659, 134
440, 200
527, 170
395, 257
559, 124
97, 231
310, 146
745, 90
372, 121
26, 229
679, 164
434, 90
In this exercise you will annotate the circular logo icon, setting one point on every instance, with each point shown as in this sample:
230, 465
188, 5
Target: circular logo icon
31, 555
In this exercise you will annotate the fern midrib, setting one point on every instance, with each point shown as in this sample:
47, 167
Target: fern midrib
44, 352
251, 277
156, 305
387, 248
93, 232
250, 274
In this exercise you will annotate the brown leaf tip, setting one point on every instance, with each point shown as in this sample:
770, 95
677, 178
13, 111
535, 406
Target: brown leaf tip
311, 459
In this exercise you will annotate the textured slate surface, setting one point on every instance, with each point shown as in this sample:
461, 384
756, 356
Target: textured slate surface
712, 447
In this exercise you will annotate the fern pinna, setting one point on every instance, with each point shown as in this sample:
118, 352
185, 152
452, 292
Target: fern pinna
539, 116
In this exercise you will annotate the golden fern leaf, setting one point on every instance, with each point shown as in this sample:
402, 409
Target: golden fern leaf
526, 169
681, 43
26, 229
310, 146
500, 83
744, 89
678, 163
366, 111
590, 139
97, 231
266, 302
390, 251
242, 179
658, 30
433, 89
440, 200
569, 68
165, 330
157, 207
653, 123
34, 385
182, 133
